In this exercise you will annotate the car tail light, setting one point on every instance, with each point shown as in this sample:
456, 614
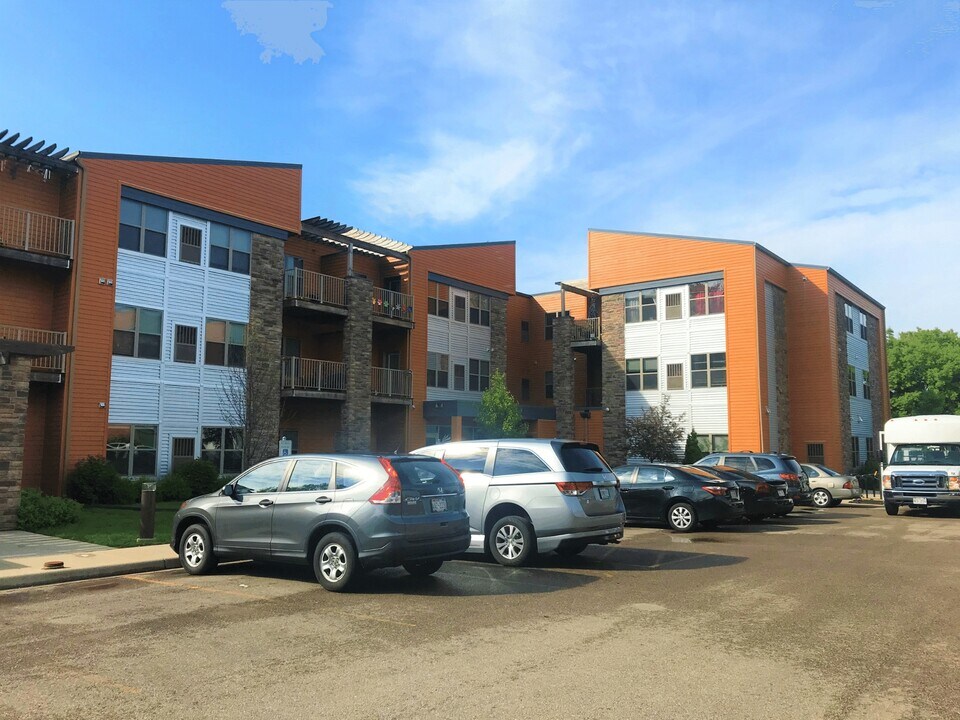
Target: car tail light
715, 489
574, 489
389, 492
455, 472
887, 482
790, 477
848, 485
763, 488
953, 483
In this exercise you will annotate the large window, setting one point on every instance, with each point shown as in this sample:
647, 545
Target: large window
713, 443
136, 332
708, 370
459, 376
640, 306
143, 228
223, 447
184, 344
479, 310
230, 248
548, 326
866, 384
226, 344
706, 298
642, 374
855, 449
852, 380
132, 449
438, 299
848, 312
438, 370
479, 375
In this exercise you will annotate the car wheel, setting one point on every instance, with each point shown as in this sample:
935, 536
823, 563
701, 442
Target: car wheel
423, 567
681, 517
891, 508
334, 561
571, 549
511, 541
822, 498
756, 518
196, 550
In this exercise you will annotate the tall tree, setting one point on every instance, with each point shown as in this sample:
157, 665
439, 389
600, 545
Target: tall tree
499, 415
656, 435
924, 372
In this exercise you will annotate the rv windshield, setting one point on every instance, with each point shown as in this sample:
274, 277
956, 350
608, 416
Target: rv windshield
939, 454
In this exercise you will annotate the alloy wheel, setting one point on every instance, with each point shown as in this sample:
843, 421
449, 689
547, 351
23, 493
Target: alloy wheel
193, 549
681, 517
821, 498
509, 541
333, 562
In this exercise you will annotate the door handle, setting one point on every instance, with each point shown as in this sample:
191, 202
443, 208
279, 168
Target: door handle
266, 502
668, 487
324, 499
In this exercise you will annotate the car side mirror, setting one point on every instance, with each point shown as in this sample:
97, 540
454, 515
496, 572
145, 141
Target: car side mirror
229, 490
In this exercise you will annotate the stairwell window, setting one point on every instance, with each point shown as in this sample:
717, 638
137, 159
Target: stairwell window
136, 332
230, 248
815, 454
225, 343
524, 331
143, 228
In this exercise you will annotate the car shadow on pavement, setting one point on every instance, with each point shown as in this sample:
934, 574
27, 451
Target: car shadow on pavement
618, 557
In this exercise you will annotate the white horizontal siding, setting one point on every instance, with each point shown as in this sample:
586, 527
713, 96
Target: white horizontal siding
478, 342
134, 391
181, 407
227, 296
459, 340
448, 394
438, 335
140, 289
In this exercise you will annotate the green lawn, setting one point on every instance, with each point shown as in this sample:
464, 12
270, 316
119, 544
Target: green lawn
116, 527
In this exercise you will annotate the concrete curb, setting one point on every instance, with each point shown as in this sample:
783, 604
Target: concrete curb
52, 577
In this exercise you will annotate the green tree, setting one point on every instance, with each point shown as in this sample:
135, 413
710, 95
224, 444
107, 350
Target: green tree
924, 372
692, 452
656, 435
499, 414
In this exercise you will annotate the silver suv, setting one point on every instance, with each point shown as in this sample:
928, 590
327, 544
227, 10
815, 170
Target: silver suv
338, 512
535, 496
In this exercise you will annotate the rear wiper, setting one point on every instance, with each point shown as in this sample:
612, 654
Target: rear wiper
593, 470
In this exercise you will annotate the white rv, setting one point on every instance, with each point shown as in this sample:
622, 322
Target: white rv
921, 466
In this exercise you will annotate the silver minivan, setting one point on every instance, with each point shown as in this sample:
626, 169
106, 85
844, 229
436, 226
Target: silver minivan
528, 496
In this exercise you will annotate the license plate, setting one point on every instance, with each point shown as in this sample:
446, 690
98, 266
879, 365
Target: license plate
918, 501
604, 493
781, 492
438, 504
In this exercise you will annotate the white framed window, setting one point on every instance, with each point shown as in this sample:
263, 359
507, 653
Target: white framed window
137, 331
706, 298
863, 326
459, 308
708, 370
438, 299
866, 384
852, 380
848, 312
132, 449
479, 375
642, 374
479, 310
438, 370
223, 446
225, 343
713, 443
143, 228
230, 248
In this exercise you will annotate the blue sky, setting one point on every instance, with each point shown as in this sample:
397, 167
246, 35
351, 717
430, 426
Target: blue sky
827, 132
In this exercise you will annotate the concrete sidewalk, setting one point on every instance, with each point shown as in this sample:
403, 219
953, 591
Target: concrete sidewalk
83, 564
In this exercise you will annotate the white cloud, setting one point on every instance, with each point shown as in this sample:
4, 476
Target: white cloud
282, 27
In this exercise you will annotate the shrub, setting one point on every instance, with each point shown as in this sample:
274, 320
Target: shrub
201, 477
38, 511
692, 451
96, 481
173, 487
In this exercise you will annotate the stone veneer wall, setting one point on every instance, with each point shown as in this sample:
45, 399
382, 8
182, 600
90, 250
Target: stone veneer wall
613, 370
264, 347
358, 357
874, 338
563, 375
14, 391
498, 335
843, 395
783, 397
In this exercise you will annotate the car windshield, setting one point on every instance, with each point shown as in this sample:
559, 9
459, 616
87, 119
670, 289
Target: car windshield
934, 454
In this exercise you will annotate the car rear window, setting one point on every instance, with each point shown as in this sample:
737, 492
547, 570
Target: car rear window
764, 463
580, 458
793, 466
425, 474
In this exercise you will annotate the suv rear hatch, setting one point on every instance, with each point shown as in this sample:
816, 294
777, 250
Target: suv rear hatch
802, 483
587, 478
431, 497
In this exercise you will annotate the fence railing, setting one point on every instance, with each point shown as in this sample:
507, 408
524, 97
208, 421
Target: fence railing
53, 363
386, 382
35, 232
389, 303
301, 284
586, 330
317, 375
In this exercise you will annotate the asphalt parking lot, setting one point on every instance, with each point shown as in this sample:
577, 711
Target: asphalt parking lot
840, 613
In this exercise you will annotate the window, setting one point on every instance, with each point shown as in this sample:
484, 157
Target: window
548, 384
438, 370
143, 228
706, 298
524, 389
815, 453
226, 344
852, 380
524, 331
708, 370
459, 308
182, 451
648, 474
513, 461
631, 307
642, 374
713, 443
459, 377
262, 479
467, 458
191, 242
230, 249
294, 437
863, 326
674, 376
548, 326
136, 332
479, 375
640, 306
848, 311
479, 310
866, 384
740, 462
184, 344
132, 449
869, 443
347, 476
438, 434
223, 447
764, 463
310, 475
855, 448
673, 306
438, 299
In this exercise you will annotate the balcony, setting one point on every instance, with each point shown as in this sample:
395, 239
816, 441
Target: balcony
305, 288
304, 377
43, 368
586, 332
388, 385
47, 238
394, 307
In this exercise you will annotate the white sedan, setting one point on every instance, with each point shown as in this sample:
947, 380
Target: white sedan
830, 488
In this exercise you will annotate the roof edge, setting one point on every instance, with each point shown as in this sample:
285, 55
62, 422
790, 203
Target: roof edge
84, 155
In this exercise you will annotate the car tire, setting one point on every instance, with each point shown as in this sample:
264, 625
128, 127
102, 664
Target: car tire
511, 541
836, 503
681, 517
334, 561
757, 518
571, 550
821, 498
196, 550
423, 568
891, 508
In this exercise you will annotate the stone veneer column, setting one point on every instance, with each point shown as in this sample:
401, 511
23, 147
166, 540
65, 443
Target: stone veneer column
780, 359
846, 429
14, 391
563, 375
263, 349
498, 335
358, 357
613, 372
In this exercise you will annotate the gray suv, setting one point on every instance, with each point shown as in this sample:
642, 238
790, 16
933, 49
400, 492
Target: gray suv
535, 496
773, 466
340, 513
